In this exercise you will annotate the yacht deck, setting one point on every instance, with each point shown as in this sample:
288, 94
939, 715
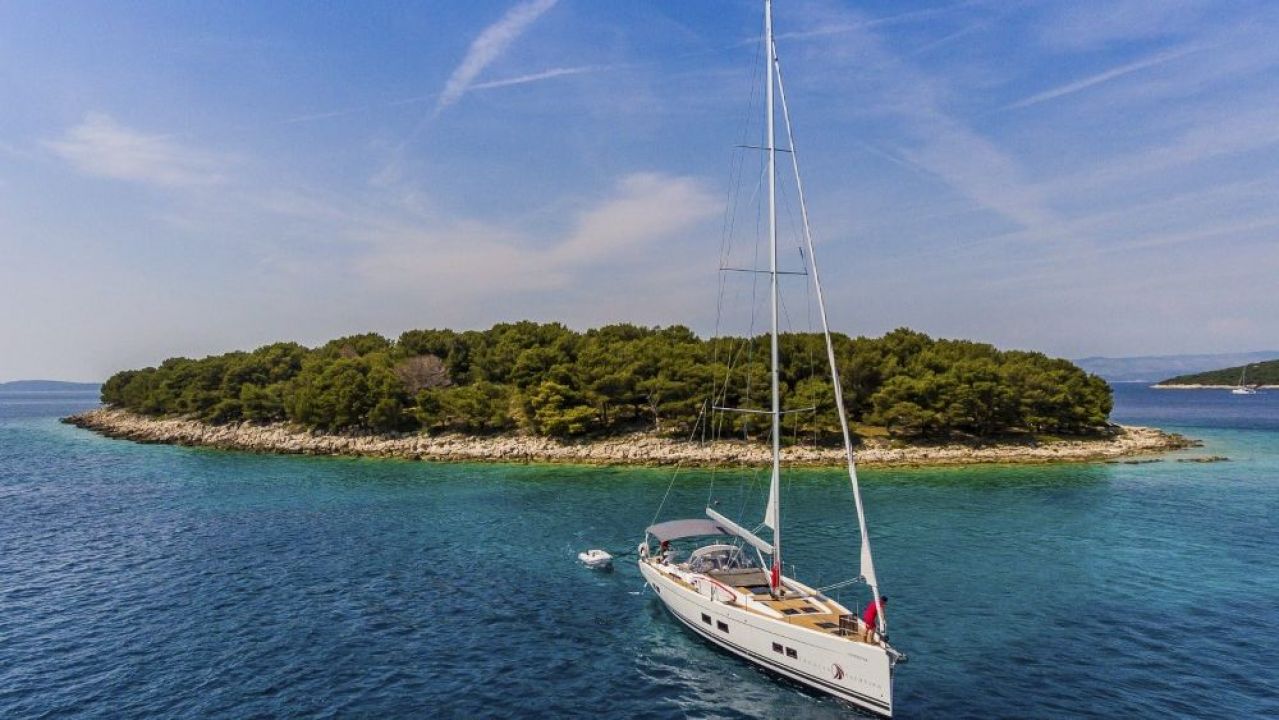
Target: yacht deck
795, 609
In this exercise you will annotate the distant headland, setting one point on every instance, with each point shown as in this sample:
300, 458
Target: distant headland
49, 386
622, 394
1259, 374
1152, 368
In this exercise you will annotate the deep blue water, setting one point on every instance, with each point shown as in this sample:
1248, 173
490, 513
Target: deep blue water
170, 582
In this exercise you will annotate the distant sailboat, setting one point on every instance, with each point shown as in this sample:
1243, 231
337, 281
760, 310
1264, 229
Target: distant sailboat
1243, 388
730, 588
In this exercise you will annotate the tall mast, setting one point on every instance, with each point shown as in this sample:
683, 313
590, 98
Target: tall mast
774, 498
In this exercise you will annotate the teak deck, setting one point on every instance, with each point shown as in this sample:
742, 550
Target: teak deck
810, 620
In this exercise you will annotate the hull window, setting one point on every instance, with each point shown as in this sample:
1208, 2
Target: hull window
723, 626
706, 618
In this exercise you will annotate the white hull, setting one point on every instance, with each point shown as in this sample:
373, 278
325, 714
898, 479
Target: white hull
856, 672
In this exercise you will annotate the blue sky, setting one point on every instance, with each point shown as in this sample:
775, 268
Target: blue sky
187, 178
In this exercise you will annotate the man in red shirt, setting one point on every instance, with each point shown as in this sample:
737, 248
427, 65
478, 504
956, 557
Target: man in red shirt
870, 615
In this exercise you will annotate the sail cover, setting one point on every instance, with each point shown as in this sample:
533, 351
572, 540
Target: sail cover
770, 513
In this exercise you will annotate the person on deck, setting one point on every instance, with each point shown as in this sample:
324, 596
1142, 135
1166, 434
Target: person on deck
870, 615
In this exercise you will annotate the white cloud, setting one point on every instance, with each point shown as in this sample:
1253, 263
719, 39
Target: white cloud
489, 46
645, 207
100, 146
444, 260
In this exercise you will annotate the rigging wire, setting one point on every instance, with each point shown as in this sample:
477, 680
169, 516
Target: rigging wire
865, 556
737, 163
678, 467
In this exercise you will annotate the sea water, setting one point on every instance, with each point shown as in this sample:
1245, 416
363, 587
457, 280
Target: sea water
155, 581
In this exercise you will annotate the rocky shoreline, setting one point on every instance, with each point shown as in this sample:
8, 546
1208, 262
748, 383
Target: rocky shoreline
635, 449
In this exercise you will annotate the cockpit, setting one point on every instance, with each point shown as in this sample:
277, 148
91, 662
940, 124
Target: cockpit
717, 558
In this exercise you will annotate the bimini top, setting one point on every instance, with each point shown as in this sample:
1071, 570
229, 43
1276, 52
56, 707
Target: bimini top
676, 529
716, 525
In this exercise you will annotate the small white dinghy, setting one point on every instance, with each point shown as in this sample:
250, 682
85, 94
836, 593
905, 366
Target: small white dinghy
596, 559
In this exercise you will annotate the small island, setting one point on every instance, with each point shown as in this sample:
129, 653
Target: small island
1260, 374
623, 394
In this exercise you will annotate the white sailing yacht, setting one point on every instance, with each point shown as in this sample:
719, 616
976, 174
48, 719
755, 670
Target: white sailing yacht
1243, 388
730, 589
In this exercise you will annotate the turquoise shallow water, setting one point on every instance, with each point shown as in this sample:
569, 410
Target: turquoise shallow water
170, 582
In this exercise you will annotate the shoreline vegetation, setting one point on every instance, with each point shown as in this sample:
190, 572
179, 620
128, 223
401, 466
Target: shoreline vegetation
642, 448
546, 380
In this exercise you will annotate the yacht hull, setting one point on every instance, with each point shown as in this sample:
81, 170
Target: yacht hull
855, 672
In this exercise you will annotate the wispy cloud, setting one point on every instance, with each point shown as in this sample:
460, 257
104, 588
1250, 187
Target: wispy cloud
938, 141
489, 46
102, 147
13, 151
327, 115
1212, 133
863, 24
1090, 24
947, 39
980, 170
549, 74
1102, 77
539, 76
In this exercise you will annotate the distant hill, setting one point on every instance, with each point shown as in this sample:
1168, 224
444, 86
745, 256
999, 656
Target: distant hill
1153, 368
1262, 373
48, 386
